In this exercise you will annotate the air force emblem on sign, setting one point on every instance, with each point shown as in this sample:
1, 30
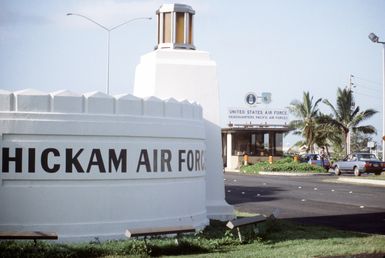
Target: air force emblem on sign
266, 97
251, 98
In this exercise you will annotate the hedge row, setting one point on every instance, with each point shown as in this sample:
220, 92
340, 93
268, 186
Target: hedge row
283, 165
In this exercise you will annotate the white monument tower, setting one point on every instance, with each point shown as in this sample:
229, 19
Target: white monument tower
176, 70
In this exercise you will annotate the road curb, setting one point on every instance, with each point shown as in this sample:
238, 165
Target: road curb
268, 173
362, 181
292, 174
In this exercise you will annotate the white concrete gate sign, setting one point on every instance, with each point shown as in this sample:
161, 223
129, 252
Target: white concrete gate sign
92, 165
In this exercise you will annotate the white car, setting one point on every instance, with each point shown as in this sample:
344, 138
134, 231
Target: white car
359, 163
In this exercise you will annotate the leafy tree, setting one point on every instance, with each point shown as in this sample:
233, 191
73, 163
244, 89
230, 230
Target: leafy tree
338, 150
307, 114
360, 141
346, 116
327, 136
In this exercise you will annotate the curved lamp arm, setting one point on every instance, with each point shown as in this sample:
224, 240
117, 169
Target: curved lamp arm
104, 27
139, 18
85, 17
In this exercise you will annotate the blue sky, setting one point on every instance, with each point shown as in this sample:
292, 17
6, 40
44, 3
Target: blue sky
278, 46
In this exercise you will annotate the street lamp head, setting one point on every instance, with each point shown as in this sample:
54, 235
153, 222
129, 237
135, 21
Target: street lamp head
69, 13
373, 37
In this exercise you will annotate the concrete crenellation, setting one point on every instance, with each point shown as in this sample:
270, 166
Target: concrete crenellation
98, 103
65, 101
172, 108
127, 104
6, 101
30, 100
153, 106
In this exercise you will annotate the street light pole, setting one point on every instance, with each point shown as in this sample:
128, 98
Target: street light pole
373, 37
108, 39
108, 63
383, 101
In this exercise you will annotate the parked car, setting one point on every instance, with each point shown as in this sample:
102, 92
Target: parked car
315, 159
359, 163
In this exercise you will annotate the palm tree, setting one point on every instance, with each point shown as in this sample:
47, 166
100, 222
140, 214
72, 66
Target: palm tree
347, 117
306, 124
327, 135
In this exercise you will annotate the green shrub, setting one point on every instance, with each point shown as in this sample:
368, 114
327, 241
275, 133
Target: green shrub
284, 165
284, 160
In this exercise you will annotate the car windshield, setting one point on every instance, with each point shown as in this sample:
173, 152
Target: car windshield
308, 157
367, 156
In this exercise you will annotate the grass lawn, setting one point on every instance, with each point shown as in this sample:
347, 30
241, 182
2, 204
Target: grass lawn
275, 239
306, 241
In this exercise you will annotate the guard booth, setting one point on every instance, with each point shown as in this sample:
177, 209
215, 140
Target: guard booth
258, 143
256, 130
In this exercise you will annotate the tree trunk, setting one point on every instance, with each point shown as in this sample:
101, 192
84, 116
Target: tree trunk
346, 143
327, 151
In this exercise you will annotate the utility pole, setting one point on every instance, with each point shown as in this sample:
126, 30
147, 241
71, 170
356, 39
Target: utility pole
375, 39
350, 82
348, 138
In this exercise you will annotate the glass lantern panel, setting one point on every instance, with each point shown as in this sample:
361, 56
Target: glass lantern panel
179, 28
159, 35
190, 29
167, 28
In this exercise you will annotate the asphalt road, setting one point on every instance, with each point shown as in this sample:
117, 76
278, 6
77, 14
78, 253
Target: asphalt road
310, 199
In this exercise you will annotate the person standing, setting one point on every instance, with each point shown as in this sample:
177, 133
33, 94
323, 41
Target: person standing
322, 154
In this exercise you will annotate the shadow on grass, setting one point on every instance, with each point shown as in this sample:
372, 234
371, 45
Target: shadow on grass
372, 223
20, 249
184, 247
285, 230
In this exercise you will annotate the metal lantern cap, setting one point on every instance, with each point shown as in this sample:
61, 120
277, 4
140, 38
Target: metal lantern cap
183, 8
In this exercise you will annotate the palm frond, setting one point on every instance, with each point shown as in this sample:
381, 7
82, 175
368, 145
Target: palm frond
368, 129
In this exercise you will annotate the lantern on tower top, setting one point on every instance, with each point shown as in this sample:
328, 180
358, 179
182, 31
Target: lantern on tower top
175, 26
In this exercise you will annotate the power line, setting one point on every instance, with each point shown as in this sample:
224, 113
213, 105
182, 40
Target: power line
360, 86
367, 80
367, 87
367, 95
